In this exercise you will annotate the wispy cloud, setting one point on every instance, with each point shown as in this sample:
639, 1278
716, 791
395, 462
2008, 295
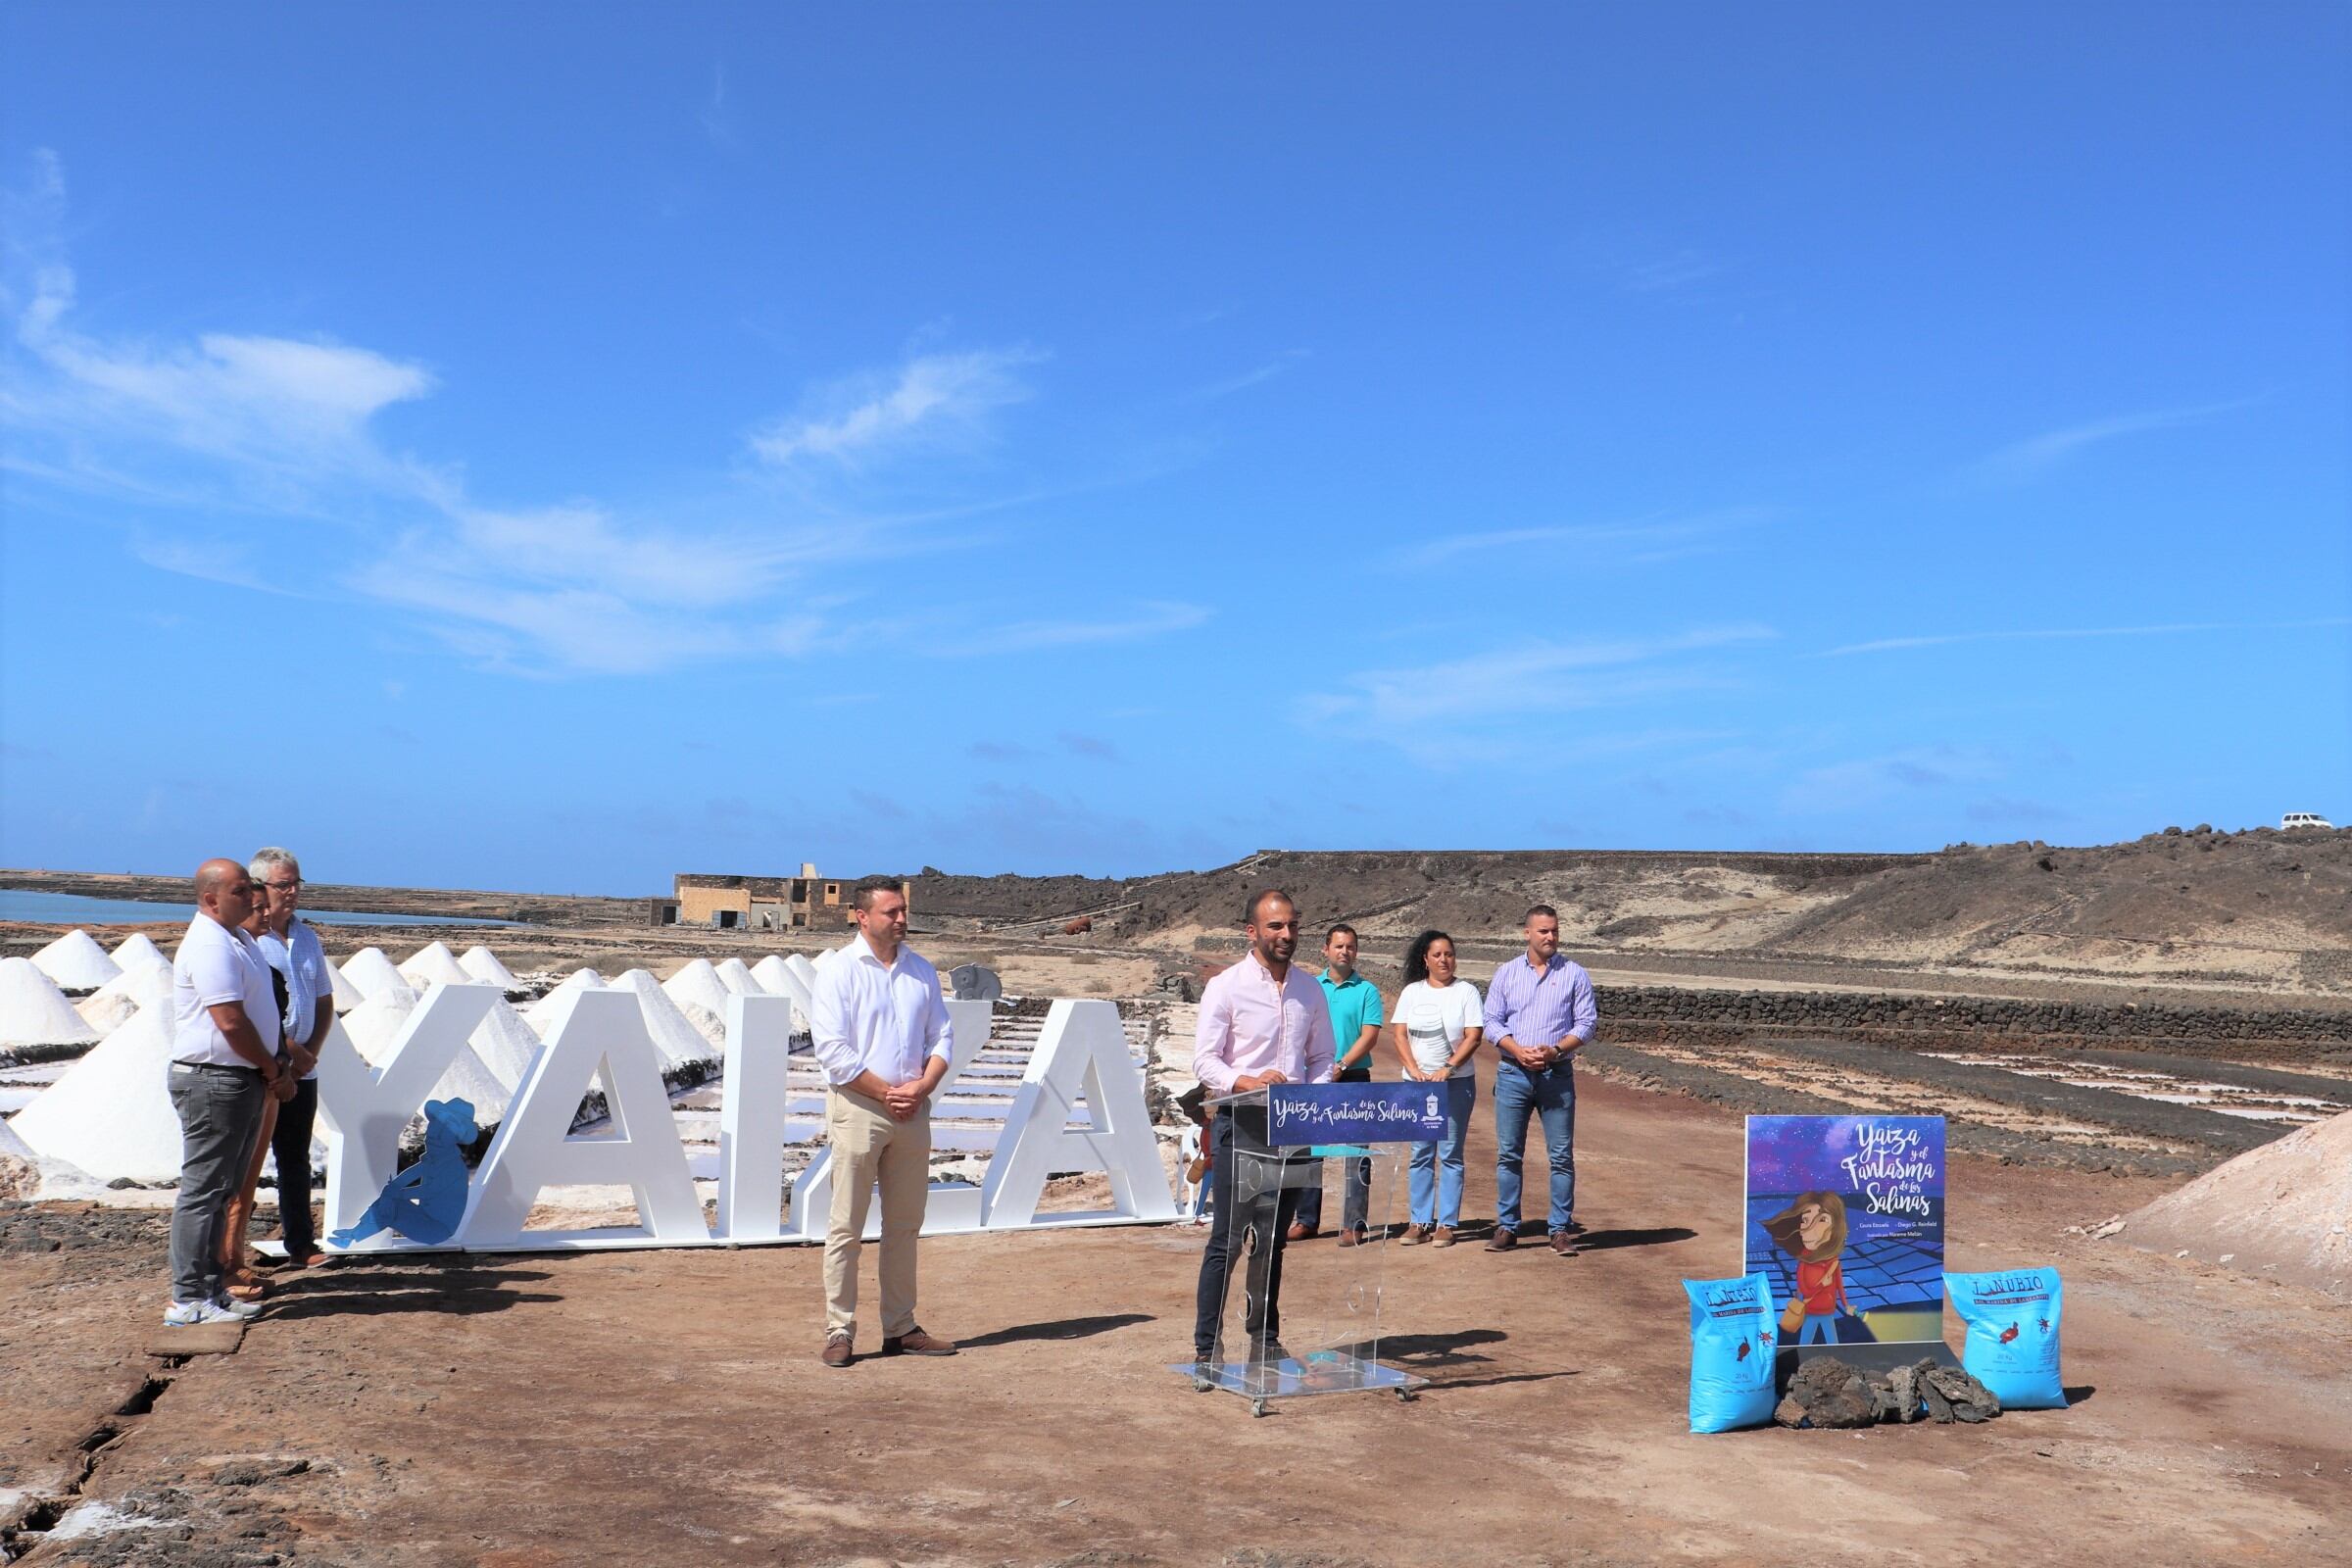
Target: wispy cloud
2037, 453
1676, 268
1156, 619
712, 115
1092, 747
1429, 707
1883, 645
267, 429
1267, 371
931, 398
1866, 780
1635, 542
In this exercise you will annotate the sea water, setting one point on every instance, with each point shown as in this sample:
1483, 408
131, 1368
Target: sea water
72, 908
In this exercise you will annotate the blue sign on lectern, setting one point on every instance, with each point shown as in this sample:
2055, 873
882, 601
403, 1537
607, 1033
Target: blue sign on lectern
1355, 1113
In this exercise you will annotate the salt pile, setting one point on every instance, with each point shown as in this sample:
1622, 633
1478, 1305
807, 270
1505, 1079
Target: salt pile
505, 1042
553, 1008
347, 995
674, 1034
2281, 1212
698, 985
736, 975
34, 1013
137, 951
434, 964
376, 1023
77, 962
370, 971
482, 964
111, 1006
771, 972
111, 1113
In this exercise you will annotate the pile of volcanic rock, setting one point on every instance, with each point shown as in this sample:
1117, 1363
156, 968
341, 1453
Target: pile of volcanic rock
1827, 1392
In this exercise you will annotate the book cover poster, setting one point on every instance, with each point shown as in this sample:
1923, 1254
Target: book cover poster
1846, 1213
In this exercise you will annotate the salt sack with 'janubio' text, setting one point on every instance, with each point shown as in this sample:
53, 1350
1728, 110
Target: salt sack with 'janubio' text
1732, 1342
2012, 1319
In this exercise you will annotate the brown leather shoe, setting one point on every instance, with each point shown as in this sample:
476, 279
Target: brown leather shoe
1442, 1236
1352, 1238
1414, 1236
837, 1351
1503, 1241
1300, 1233
914, 1341
1563, 1244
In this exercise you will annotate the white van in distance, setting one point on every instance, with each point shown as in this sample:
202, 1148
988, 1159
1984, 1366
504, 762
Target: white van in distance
2295, 820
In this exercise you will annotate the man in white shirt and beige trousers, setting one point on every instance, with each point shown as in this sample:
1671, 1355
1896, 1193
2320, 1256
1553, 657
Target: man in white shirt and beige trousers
884, 1040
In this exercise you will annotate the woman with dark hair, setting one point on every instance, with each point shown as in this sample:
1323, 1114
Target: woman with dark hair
1438, 1028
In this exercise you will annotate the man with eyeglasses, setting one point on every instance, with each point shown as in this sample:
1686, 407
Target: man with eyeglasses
225, 1065
292, 948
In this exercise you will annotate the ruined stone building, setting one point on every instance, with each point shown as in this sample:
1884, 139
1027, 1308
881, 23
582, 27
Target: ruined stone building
760, 903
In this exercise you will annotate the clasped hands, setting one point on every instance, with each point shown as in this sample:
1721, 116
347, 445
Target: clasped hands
1536, 1058
902, 1100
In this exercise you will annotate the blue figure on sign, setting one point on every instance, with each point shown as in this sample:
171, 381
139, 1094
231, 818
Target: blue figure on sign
426, 1201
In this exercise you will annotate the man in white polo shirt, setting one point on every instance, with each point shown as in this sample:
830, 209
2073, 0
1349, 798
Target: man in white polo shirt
883, 1038
224, 1065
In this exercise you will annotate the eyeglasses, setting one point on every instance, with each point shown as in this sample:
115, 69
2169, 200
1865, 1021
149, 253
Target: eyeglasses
294, 886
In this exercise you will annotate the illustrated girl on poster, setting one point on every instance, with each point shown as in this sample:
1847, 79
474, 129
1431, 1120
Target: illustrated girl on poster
1812, 1230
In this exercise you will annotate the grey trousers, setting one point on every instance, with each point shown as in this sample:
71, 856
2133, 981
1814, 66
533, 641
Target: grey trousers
220, 1115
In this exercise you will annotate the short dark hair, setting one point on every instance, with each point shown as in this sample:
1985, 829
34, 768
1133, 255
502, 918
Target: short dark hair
1336, 929
862, 897
1258, 901
1541, 908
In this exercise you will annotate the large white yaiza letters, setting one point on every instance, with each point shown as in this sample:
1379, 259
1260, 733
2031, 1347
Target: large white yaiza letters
752, 1117
603, 1038
1083, 1049
363, 1109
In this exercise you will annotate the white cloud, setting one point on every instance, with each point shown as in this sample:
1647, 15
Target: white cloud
1639, 542
2034, 455
1155, 620
1883, 645
1248, 378
930, 398
1457, 696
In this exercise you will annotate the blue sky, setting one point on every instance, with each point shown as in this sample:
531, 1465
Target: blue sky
549, 448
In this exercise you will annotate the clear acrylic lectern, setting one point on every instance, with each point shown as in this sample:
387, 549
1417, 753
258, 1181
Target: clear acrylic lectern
1307, 1319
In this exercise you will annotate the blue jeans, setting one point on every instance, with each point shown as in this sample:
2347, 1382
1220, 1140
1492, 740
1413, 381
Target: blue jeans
1552, 1095
1436, 1175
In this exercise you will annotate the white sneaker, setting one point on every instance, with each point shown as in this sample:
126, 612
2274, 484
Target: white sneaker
242, 1311
189, 1315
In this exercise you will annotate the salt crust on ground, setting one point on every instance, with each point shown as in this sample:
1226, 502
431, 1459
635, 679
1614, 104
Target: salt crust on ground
483, 965
2281, 1212
34, 1013
77, 962
111, 1114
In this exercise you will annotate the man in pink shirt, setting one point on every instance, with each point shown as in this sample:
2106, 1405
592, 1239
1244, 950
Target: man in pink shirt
1262, 1023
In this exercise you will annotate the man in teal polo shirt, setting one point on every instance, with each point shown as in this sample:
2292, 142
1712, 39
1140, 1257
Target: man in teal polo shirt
1355, 1020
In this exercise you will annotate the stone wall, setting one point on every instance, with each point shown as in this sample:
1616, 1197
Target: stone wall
1633, 1013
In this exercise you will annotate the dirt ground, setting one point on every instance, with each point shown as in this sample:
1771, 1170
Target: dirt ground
668, 1407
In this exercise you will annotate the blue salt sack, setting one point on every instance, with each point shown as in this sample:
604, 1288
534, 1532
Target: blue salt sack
2012, 1319
1732, 1341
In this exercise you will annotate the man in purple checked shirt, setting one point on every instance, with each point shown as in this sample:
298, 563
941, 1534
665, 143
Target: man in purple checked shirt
1539, 1013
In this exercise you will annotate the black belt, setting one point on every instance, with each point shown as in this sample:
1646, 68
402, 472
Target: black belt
213, 1067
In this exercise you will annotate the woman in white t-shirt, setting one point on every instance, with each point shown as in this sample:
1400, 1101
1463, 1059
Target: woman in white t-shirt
1435, 1034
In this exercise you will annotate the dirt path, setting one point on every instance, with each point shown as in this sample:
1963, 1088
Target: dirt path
667, 1407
